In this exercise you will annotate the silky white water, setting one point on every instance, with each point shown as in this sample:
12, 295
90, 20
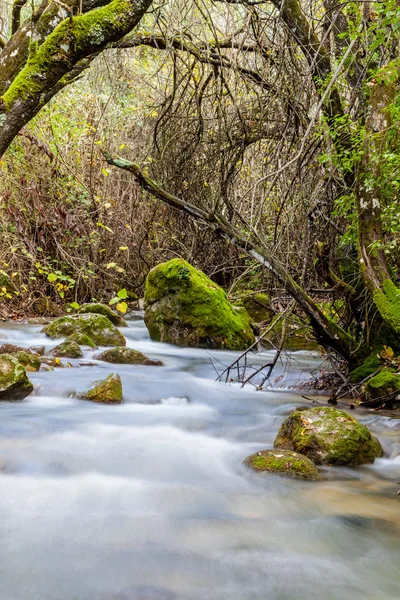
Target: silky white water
149, 500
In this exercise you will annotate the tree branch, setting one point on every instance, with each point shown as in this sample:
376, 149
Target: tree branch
330, 335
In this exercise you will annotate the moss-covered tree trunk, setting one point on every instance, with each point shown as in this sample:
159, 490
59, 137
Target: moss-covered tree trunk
370, 195
57, 49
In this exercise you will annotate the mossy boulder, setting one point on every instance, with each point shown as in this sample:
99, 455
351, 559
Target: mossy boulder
328, 436
107, 391
97, 327
27, 358
126, 356
383, 385
102, 309
257, 306
184, 307
14, 383
283, 462
67, 349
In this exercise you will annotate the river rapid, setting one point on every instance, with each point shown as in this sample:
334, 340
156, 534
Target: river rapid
150, 500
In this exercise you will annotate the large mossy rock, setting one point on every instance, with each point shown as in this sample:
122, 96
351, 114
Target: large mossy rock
107, 391
67, 349
184, 307
328, 436
283, 462
97, 327
14, 383
126, 356
102, 309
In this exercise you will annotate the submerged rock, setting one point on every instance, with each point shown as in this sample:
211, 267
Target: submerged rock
67, 349
126, 356
97, 327
14, 383
328, 436
106, 311
283, 462
106, 391
184, 307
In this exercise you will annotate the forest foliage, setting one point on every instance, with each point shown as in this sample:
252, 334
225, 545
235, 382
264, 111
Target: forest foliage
278, 121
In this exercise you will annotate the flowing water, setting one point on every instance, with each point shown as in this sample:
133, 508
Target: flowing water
149, 500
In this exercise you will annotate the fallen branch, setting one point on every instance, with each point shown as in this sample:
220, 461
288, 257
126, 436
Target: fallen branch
330, 335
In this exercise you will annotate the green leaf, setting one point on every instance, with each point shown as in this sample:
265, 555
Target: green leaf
75, 305
113, 301
52, 277
122, 294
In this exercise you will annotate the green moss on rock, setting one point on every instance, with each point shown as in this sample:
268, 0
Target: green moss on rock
384, 384
257, 306
82, 339
283, 462
14, 383
107, 391
329, 436
67, 349
29, 360
184, 307
103, 309
371, 364
126, 356
97, 327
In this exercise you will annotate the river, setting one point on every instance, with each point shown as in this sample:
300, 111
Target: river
149, 500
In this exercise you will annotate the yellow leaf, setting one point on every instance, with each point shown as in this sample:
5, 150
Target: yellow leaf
122, 307
123, 247
121, 147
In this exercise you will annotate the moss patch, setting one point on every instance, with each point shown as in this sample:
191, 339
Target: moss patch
387, 302
97, 327
82, 339
107, 391
126, 356
283, 462
14, 383
369, 366
26, 358
383, 384
184, 307
103, 309
257, 306
328, 436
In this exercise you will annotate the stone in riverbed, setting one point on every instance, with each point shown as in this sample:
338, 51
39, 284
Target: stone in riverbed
328, 436
97, 327
283, 462
67, 349
26, 357
107, 391
184, 307
14, 383
106, 311
126, 356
